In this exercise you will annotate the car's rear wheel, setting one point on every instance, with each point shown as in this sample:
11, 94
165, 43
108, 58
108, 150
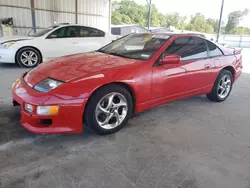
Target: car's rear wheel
109, 109
222, 87
28, 57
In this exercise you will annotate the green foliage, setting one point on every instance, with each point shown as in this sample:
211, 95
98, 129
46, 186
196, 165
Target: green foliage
242, 31
199, 23
155, 21
214, 23
174, 19
234, 19
129, 12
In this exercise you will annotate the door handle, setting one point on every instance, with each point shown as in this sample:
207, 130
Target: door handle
207, 66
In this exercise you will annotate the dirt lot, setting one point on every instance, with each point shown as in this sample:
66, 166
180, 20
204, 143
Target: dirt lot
192, 143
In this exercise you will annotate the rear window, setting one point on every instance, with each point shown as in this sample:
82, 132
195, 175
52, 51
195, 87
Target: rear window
213, 50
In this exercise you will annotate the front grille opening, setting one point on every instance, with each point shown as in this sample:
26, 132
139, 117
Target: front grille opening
15, 103
46, 122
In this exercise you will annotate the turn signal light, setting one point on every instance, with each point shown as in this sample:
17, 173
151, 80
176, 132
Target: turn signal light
15, 83
47, 110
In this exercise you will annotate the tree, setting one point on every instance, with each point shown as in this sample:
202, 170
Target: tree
199, 23
242, 31
174, 19
234, 19
214, 23
128, 12
155, 16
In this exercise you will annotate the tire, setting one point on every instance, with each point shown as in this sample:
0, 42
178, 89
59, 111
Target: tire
94, 117
217, 94
28, 57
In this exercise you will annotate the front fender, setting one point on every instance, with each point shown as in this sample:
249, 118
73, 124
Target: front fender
137, 79
84, 87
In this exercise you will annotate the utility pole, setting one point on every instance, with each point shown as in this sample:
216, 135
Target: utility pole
76, 11
33, 15
149, 13
219, 26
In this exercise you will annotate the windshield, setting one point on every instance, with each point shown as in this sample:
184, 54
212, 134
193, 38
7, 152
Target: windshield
43, 32
136, 46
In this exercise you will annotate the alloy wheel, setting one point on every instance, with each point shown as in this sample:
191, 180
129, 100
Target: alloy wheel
29, 58
111, 110
224, 86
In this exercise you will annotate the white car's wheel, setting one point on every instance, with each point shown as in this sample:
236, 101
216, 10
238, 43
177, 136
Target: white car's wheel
28, 57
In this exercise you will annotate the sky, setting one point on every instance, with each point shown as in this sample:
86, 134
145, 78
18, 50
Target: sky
210, 8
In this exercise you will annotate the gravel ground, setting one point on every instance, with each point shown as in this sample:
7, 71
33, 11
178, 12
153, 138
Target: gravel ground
191, 143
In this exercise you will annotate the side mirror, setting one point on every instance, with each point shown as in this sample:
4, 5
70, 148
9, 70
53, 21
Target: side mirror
171, 59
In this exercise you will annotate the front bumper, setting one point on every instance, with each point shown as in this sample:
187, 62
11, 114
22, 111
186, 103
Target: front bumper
7, 55
68, 119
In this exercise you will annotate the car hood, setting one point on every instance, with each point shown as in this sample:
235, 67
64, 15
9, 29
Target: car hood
71, 67
14, 38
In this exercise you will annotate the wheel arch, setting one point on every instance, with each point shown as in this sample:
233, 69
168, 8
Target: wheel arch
231, 69
128, 87
28, 47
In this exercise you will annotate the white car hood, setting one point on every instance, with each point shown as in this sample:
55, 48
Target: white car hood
14, 38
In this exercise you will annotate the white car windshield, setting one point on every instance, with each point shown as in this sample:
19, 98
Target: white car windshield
136, 46
43, 32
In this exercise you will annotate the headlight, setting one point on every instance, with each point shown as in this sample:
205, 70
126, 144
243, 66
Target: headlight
28, 107
47, 85
6, 45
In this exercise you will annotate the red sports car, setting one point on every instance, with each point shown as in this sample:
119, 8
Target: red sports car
102, 89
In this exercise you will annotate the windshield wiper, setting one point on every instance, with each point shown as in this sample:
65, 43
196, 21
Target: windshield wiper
113, 53
101, 51
119, 55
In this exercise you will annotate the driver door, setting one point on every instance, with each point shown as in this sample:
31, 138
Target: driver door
192, 74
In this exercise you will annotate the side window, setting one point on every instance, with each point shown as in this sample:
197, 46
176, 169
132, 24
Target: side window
189, 48
72, 31
213, 50
90, 32
65, 32
58, 33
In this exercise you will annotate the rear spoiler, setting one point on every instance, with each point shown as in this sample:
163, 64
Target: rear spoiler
231, 50
237, 51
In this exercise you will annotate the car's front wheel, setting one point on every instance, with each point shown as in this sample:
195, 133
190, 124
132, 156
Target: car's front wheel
222, 87
28, 57
109, 109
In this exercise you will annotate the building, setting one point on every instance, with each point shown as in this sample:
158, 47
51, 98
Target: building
126, 29
159, 30
39, 14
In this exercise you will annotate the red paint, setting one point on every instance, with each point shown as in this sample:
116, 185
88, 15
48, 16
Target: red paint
171, 59
84, 73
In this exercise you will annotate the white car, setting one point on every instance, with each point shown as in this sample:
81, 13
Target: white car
55, 41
